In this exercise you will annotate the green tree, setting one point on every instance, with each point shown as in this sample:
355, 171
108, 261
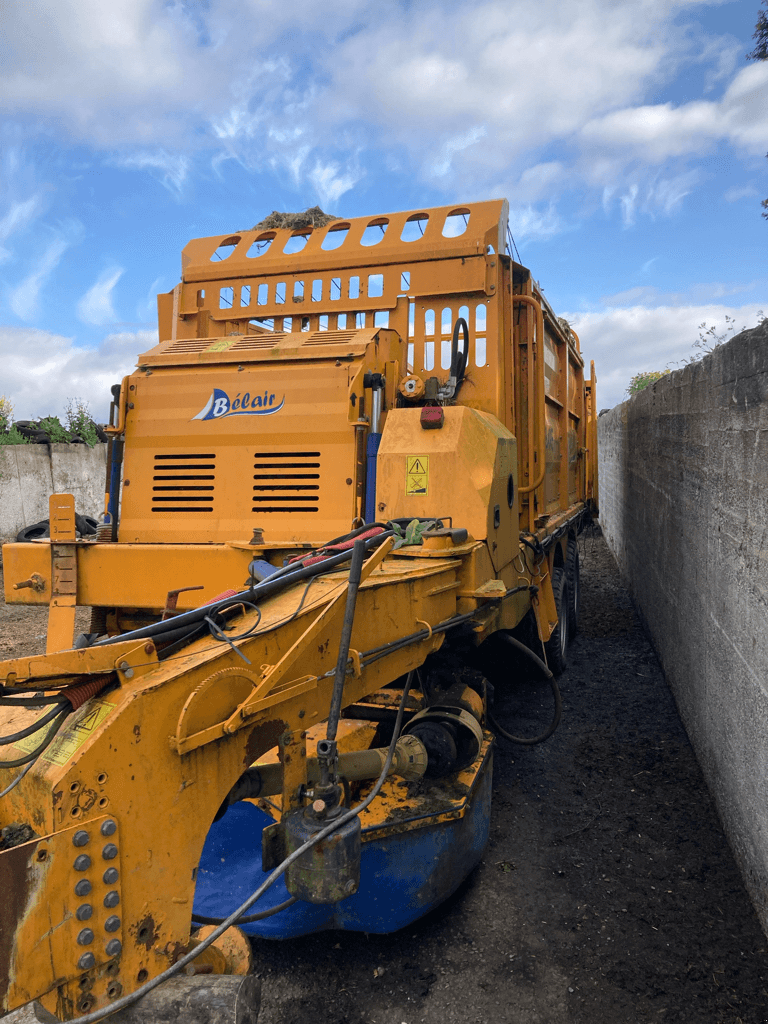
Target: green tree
760, 52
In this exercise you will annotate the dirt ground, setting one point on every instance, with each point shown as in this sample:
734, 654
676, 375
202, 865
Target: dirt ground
607, 894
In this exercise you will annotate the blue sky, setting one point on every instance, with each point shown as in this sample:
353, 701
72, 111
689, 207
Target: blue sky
629, 138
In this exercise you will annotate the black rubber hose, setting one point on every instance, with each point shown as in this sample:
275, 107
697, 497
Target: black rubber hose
355, 570
533, 740
201, 919
457, 369
271, 585
14, 737
18, 701
49, 738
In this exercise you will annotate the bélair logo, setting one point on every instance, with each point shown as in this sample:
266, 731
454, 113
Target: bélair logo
219, 405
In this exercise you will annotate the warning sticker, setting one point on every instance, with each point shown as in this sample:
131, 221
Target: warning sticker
417, 474
72, 738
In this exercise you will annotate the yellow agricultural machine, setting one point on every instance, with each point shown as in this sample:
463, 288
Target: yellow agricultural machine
347, 480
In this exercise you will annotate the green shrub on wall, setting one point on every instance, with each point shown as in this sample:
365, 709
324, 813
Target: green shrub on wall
641, 381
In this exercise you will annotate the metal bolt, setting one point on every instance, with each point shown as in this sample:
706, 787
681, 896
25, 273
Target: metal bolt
110, 876
80, 838
109, 852
113, 947
124, 667
108, 827
86, 962
83, 862
85, 937
112, 923
83, 887
112, 899
84, 912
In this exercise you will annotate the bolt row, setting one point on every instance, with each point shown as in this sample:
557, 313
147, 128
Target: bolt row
83, 887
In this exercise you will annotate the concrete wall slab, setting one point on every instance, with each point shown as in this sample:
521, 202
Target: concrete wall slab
30, 473
684, 508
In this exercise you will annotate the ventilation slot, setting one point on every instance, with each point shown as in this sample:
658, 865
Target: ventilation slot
183, 483
330, 337
286, 482
260, 342
190, 345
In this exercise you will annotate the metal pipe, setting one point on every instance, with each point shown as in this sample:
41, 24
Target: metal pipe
358, 554
409, 762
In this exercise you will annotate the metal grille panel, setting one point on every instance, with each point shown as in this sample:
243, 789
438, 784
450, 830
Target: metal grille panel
183, 482
286, 482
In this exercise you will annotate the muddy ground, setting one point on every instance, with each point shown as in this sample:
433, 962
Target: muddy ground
607, 894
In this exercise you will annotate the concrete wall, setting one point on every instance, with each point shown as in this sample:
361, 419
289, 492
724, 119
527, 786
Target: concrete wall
684, 508
30, 473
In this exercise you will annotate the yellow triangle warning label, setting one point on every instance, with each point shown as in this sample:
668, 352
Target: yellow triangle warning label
417, 474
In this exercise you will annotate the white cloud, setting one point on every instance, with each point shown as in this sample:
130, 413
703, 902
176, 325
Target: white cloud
468, 95
23, 299
740, 192
173, 167
655, 133
330, 182
42, 370
19, 216
529, 223
626, 341
96, 307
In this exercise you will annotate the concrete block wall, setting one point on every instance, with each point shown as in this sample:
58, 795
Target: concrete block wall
30, 473
684, 508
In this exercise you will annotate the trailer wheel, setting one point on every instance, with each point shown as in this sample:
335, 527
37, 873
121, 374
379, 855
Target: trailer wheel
573, 576
557, 645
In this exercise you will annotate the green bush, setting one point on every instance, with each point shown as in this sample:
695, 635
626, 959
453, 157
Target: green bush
79, 420
641, 381
13, 437
53, 428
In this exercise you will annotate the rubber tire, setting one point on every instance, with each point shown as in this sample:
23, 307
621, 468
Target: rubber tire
34, 532
573, 576
557, 645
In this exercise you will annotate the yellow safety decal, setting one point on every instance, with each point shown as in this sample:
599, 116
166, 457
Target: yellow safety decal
222, 345
417, 474
73, 737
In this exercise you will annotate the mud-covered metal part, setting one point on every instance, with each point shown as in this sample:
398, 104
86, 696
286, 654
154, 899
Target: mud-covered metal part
409, 762
330, 870
202, 999
451, 735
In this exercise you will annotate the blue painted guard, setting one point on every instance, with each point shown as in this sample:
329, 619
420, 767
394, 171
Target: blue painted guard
402, 875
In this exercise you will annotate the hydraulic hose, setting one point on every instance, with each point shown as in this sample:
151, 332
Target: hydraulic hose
271, 585
526, 741
355, 570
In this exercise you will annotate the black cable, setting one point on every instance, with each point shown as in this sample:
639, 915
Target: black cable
202, 919
533, 740
14, 737
13, 699
49, 738
271, 585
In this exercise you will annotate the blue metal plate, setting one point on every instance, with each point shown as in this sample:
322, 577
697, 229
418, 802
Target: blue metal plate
402, 875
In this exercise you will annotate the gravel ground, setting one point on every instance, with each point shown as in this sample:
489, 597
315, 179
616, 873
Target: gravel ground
607, 893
